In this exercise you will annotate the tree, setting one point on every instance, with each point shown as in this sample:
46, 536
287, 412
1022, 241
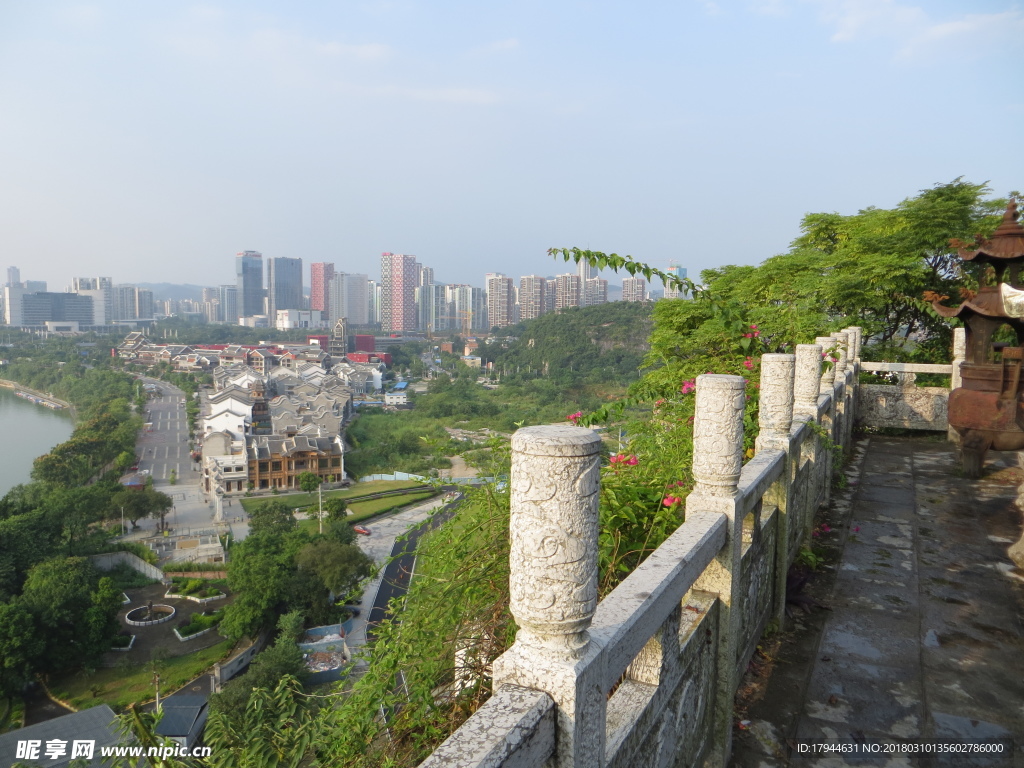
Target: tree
271, 517
20, 648
336, 508
340, 567
309, 482
73, 609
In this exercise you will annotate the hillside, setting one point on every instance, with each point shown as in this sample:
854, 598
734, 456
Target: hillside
605, 343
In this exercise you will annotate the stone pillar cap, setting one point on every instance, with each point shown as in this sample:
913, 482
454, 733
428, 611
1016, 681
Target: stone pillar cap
556, 440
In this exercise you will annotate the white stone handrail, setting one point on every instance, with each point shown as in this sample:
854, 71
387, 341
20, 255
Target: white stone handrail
649, 675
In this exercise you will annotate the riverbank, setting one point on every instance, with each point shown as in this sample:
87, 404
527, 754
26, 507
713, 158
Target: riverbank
44, 397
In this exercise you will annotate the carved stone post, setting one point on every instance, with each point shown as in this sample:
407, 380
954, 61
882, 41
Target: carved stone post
855, 343
828, 376
807, 385
959, 355
957, 379
553, 583
842, 354
718, 435
717, 460
775, 416
775, 419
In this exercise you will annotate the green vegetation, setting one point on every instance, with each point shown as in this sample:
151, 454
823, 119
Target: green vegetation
281, 568
120, 687
577, 346
200, 621
125, 577
299, 500
182, 585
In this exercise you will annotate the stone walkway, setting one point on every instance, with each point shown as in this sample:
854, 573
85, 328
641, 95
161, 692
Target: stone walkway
924, 638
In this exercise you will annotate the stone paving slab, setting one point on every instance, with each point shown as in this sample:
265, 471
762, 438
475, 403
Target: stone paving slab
924, 638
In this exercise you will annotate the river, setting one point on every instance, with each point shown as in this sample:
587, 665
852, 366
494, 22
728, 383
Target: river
27, 430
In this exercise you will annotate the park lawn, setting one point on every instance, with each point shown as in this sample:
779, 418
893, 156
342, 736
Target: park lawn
306, 499
120, 688
365, 510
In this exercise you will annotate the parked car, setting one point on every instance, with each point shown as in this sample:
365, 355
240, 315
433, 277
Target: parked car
361, 529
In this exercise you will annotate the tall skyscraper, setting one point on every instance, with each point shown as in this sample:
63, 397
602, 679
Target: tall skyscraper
469, 306
320, 275
373, 302
568, 291
399, 278
432, 304
677, 271
284, 285
14, 277
249, 274
501, 300
228, 297
348, 297
585, 271
595, 291
634, 289
532, 291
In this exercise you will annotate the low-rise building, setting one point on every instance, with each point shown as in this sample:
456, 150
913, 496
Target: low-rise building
276, 462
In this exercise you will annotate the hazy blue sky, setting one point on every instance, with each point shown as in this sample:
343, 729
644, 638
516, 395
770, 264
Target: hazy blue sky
153, 141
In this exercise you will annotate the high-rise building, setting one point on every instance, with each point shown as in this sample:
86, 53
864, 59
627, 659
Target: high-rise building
568, 291
348, 297
227, 295
284, 285
373, 302
34, 286
585, 271
320, 274
595, 291
532, 293
101, 290
249, 274
671, 292
339, 340
501, 300
634, 289
399, 278
13, 277
469, 307
435, 311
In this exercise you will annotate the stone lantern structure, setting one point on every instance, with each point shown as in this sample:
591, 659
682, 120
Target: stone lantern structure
987, 410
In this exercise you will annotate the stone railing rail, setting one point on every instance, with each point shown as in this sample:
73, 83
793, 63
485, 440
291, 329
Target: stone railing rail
648, 676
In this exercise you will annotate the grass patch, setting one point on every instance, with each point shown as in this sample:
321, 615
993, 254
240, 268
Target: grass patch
307, 499
122, 687
366, 510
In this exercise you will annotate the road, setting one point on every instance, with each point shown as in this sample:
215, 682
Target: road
163, 445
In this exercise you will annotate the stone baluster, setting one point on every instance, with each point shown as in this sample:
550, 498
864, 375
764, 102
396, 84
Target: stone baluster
828, 375
775, 415
717, 461
842, 355
855, 343
807, 383
959, 356
555, 483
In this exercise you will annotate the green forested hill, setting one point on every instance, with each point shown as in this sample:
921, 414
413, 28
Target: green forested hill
605, 343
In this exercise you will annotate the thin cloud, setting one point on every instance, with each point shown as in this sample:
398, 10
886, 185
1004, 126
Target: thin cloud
858, 19
478, 96
987, 30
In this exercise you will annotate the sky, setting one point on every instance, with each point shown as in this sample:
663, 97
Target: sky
151, 142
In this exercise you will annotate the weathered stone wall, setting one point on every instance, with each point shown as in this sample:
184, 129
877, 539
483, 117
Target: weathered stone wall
890, 406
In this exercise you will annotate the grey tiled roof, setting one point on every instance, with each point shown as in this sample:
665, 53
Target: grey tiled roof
96, 723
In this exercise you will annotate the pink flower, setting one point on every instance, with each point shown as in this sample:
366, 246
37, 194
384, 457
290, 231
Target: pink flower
688, 386
669, 501
748, 364
574, 417
825, 528
632, 461
856, 529
753, 326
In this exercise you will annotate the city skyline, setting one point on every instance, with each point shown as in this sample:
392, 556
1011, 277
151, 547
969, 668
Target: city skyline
702, 133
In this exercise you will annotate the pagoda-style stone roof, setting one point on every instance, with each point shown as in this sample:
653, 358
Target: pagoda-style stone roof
1006, 243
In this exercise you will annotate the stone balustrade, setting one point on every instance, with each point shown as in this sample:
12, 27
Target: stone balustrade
648, 675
